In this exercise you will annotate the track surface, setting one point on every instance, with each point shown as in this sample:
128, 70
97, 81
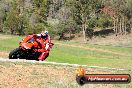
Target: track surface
55, 63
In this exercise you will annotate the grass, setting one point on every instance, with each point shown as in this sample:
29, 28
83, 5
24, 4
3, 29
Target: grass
78, 55
81, 56
37, 76
118, 49
8, 43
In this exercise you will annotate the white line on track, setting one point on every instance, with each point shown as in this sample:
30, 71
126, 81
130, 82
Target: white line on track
55, 63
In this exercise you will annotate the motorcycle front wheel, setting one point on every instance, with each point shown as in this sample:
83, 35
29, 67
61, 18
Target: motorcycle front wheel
15, 54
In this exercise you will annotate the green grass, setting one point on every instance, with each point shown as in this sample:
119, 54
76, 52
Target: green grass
124, 50
9, 42
81, 56
76, 55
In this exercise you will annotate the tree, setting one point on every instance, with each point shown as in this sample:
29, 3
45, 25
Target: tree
12, 19
83, 10
119, 10
128, 13
40, 9
4, 8
38, 18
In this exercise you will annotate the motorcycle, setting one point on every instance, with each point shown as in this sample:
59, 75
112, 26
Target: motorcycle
27, 49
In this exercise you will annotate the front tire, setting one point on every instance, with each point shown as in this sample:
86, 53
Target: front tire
15, 54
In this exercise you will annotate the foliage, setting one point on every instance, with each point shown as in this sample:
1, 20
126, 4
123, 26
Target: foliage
68, 16
22, 19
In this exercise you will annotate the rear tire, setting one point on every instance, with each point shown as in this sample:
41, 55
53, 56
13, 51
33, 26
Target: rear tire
15, 54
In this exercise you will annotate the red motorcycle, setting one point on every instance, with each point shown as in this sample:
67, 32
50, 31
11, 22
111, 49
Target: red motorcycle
27, 49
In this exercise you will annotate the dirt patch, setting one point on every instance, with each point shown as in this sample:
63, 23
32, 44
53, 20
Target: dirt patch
4, 54
120, 40
16, 75
4, 37
112, 40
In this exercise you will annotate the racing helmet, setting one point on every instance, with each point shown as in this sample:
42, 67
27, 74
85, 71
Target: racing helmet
44, 34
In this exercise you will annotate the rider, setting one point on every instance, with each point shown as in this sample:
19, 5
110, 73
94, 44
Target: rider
44, 40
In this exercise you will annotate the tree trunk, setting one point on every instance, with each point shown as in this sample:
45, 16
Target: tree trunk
84, 32
114, 25
12, 31
131, 28
124, 25
120, 27
0, 25
84, 19
70, 33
